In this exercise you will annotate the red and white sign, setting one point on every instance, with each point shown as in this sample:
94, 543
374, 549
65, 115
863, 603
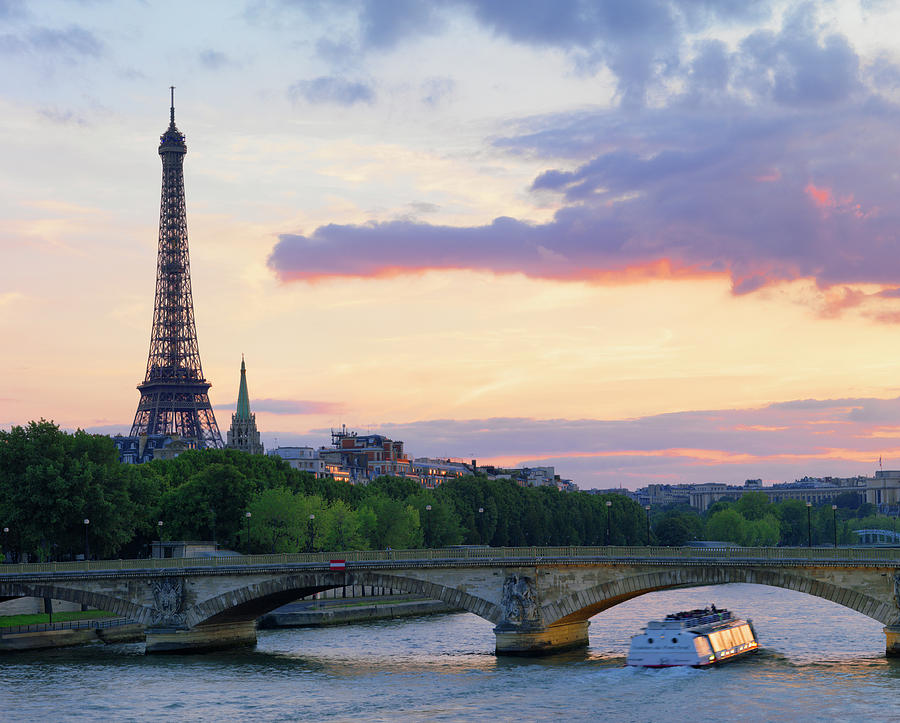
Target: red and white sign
338, 564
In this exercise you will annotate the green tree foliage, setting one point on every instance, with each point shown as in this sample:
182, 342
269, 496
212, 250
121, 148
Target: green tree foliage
726, 526
672, 531
50, 482
210, 505
754, 506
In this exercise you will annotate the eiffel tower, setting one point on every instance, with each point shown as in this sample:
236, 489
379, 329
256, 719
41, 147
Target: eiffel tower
174, 394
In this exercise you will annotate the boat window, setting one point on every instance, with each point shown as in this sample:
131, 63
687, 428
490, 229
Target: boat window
650, 641
701, 644
674, 640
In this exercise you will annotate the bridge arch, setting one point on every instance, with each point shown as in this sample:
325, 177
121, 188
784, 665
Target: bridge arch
119, 606
582, 605
252, 601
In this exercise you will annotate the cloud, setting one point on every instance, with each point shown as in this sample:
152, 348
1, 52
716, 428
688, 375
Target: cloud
426, 207
71, 43
287, 406
214, 59
773, 164
643, 42
331, 89
62, 117
780, 442
437, 90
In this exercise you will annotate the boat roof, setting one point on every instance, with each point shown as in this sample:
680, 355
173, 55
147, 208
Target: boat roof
694, 618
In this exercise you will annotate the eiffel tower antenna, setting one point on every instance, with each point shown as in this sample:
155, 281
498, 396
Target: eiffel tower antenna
174, 394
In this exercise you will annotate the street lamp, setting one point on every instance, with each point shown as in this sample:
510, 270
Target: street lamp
481, 525
247, 516
5, 542
647, 507
87, 549
159, 526
312, 532
428, 526
834, 523
608, 506
808, 524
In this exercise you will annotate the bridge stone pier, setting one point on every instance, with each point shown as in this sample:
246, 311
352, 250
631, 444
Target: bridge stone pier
539, 599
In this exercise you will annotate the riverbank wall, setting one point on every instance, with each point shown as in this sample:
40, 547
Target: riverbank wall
59, 635
342, 611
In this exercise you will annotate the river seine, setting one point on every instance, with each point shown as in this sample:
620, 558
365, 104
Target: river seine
817, 661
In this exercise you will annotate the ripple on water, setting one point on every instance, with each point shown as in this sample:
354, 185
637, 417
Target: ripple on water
817, 661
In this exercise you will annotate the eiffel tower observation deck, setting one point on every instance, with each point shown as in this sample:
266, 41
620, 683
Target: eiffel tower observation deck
174, 393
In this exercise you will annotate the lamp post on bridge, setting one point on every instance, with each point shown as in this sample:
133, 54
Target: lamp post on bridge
247, 516
427, 525
834, 523
481, 525
87, 549
647, 507
5, 542
608, 508
312, 532
809, 524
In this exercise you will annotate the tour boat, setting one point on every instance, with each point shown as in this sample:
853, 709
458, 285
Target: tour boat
693, 637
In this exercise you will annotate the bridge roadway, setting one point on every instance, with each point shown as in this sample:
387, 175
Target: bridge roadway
539, 598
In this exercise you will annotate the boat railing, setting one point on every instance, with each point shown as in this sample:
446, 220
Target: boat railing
693, 622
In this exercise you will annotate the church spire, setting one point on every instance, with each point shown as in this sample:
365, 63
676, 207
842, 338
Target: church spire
243, 434
243, 401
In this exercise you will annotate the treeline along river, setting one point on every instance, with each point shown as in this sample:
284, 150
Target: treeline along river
818, 661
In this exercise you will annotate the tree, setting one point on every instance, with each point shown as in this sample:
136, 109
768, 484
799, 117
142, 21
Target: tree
726, 526
280, 520
672, 531
51, 481
754, 505
210, 505
397, 524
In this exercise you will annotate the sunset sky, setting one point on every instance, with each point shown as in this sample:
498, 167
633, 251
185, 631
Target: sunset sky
638, 240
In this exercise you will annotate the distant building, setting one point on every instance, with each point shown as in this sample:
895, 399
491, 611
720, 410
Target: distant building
883, 491
243, 434
702, 496
433, 472
359, 458
302, 458
137, 450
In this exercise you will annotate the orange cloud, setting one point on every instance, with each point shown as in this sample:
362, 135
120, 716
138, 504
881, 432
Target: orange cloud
658, 269
700, 457
821, 196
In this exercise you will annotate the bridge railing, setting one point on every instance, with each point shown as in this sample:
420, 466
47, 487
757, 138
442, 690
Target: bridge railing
493, 554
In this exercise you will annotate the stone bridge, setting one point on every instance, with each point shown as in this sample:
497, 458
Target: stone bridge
539, 599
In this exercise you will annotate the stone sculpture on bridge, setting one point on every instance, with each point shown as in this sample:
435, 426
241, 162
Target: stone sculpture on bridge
519, 601
168, 601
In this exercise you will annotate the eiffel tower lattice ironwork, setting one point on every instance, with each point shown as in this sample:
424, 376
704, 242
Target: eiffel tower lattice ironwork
174, 394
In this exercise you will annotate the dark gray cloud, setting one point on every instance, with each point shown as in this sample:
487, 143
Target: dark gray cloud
214, 59
641, 41
384, 23
71, 43
424, 207
795, 66
773, 162
332, 89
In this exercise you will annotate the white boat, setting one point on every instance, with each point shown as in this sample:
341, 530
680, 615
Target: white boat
694, 637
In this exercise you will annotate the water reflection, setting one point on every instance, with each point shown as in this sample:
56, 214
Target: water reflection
817, 660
